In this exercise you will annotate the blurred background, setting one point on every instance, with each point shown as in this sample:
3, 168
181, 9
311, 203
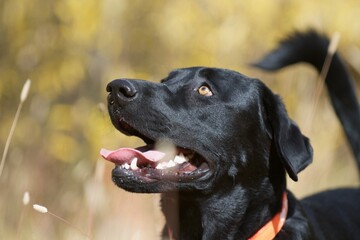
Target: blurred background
71, 49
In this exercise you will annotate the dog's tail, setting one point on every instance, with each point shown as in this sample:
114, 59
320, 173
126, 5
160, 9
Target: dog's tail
310, 47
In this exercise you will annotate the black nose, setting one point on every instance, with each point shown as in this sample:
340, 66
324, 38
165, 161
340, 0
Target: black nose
122, 90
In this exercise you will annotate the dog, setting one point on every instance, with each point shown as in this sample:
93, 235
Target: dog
235, 143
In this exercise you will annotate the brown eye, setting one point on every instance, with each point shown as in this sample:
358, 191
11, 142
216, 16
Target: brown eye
205, 91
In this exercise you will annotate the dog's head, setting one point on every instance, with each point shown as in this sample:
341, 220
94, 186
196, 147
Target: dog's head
225, 126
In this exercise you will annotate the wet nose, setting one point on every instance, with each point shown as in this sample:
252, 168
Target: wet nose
121, 90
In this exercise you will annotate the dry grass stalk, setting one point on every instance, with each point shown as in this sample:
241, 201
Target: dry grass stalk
23, 96
323, 74
42, 209
26, 201
26, 198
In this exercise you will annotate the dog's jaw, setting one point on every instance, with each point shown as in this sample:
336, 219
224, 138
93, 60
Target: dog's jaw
148, 166
136, 171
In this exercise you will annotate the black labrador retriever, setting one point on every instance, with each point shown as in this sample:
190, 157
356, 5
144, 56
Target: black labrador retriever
234, 145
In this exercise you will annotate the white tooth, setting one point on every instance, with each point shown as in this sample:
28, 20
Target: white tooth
126, 166
161, 165
171, 163
133, 164
179, 159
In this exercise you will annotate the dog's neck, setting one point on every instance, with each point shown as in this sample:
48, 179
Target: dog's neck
234, 209
187, 219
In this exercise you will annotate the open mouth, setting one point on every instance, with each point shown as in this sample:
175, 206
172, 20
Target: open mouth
150, 164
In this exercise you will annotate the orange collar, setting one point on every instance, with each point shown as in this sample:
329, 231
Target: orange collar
273, 227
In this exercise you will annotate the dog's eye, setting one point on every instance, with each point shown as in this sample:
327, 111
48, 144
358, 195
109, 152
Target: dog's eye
205, 91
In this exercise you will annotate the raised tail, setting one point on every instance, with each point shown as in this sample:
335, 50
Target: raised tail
310, 47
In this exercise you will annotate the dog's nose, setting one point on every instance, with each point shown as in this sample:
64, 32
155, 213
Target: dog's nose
121, 90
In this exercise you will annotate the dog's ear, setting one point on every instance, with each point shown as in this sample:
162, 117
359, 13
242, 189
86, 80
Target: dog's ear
293, 148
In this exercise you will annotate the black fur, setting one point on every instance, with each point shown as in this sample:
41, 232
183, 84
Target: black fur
312, 48
244, 137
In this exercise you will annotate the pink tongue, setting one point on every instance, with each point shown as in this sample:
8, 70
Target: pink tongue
126, 155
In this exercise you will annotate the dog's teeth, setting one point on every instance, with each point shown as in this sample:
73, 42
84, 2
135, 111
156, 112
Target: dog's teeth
170, 164
133, 164
126, 166
179, 159
164, 165
161, 165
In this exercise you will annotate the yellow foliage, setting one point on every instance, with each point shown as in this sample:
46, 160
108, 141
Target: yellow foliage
60, 117
62, 147
71, 73
80, 19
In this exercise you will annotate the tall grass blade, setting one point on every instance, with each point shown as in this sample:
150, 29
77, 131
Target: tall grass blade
23, 96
